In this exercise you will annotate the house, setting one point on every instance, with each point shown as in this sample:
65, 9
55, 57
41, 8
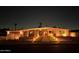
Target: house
35, 34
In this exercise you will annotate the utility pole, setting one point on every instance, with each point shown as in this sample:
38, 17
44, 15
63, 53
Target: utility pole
40, 25
15, 26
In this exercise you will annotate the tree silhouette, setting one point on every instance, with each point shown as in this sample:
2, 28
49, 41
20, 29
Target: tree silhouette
55, 26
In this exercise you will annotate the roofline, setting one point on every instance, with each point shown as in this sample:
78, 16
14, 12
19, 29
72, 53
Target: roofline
39, 28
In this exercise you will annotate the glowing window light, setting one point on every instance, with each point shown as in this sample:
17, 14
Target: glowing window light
64, 34
73, 34
21, 32
8, 32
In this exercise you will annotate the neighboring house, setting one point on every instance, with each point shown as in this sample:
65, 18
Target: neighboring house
3, 33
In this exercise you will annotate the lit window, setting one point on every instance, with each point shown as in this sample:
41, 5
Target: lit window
73, 34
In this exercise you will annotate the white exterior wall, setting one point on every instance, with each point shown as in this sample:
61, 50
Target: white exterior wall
17, 34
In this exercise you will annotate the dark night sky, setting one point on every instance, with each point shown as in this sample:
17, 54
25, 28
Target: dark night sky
28, 17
